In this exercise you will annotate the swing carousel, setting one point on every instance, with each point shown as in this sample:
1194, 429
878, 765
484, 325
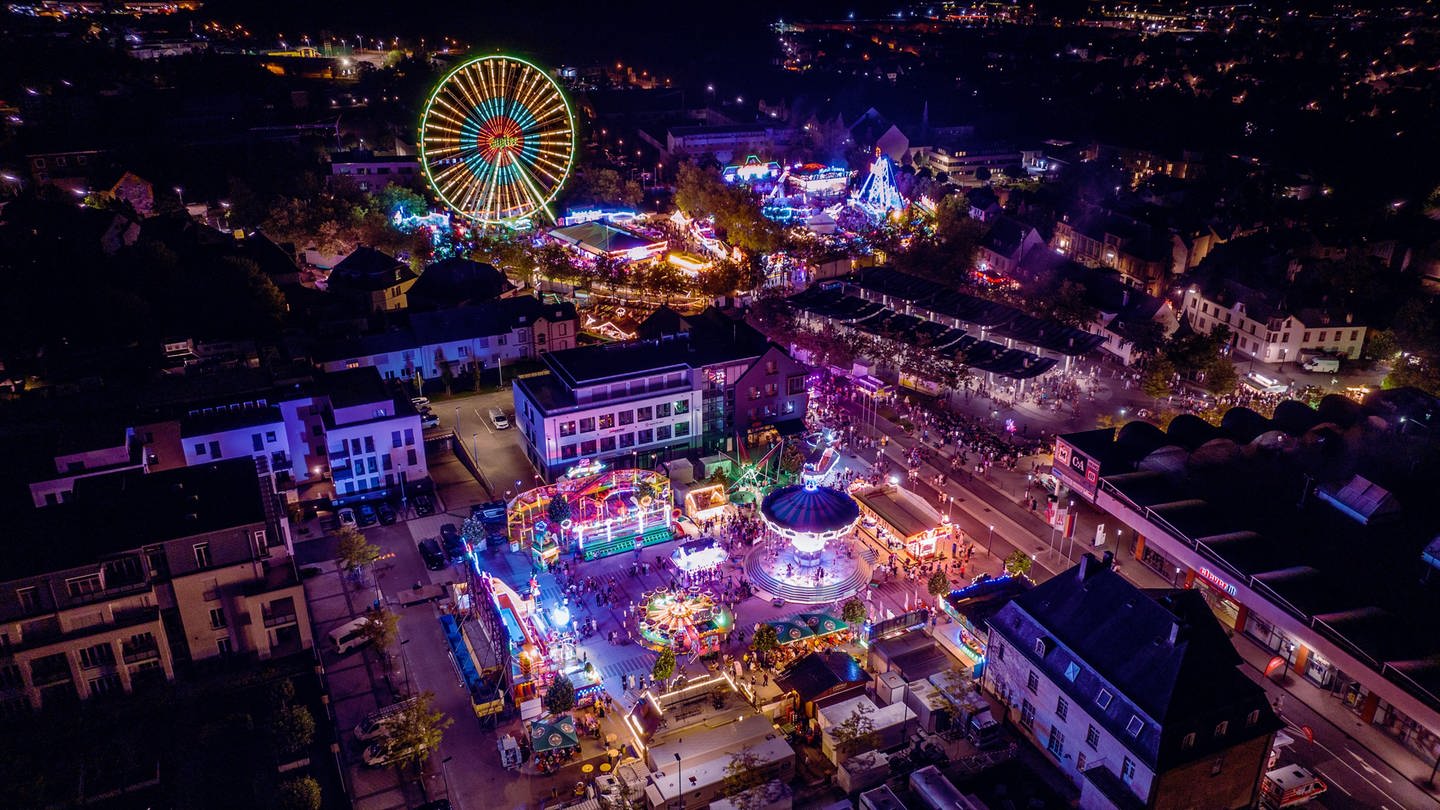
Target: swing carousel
806, 554
684, 621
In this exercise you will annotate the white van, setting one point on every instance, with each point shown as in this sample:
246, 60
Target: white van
499, 419
349, 635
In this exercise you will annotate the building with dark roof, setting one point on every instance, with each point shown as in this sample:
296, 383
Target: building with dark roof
1296, 530
375, 281
596, 239
457, 282
1006, 243
822, 678
693, 381
138, 574
457, 340
1137, 696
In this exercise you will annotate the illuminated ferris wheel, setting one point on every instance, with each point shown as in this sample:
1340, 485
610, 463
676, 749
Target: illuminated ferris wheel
497, 140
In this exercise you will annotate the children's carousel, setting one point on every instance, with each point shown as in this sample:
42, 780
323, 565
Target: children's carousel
593, 512
683, 620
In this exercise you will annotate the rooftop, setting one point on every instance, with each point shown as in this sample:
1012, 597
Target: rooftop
113, 513
369, 270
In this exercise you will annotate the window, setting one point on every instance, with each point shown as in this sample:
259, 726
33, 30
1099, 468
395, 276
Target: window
98, 656
1218, 765
567, 428
464, 351
1222, 727
626, 417
83, 586
1135, 726
1127, 770
1027, 714
26, 598
202, 555
1056, 745
1062, 708
411, 458
795, 385
587, 425
1040, 647
1354, 334
223, 646
587, 447
682, 429
662, 410
215, 449
354, 447
217, 618
1305, 338
256, 442
644, 414
1322, 336
771, 389
1092, 737
1187, 742
1033, 683
999, 650
680, 406
1103, 699
771, 367
1072, 671
395, 439
662, 433
106, 685
199, 448
369, 444
607, 444
645, 436
754, 392
627, 440
1080, 761
1252, 718
262, 545
409, 436
605, 421
567, 451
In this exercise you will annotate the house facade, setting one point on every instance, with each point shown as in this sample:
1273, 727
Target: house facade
195, 564
1267, 332
1136, 697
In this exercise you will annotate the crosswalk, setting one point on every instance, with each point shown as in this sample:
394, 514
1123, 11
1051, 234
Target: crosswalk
630, 666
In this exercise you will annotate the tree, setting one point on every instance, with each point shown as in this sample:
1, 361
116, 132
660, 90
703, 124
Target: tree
415, 731
1220, 376
354, 551
473, 530
1381, 344
560, 697
765, 640
381, 627
1014, 171
856, 733
301, 793
1069, 305
1156, 383
664, 665
743, 774
939, 585
959, 690
1018, 564
982, 174
292, 728
557, 510
854, 612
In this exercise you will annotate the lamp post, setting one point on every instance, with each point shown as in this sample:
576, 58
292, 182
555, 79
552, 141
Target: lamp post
680, 780
991, 539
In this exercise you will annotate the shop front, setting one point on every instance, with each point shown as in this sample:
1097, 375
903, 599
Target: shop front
897, 521
1298, 658
1220, 595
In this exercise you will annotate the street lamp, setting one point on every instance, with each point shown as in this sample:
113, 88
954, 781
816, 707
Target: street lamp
680, 780
991, 539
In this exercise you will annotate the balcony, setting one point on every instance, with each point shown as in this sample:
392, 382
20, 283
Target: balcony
36, 638
50, 676
138, 653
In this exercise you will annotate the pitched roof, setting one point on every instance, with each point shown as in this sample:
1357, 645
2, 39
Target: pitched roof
456, 281
1006, 236
369, 269
817, 673
419, 329
711, 338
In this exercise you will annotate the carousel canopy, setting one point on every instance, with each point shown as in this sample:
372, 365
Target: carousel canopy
822, 624
551, 735
809, 509
789, 631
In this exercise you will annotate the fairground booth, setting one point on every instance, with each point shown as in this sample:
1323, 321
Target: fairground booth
895, 520
708, 502
537, 645
971, 608
599, 513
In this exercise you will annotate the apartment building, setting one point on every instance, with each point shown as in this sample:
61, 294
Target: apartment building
961, 162
373, 281
347, 427
138, 576
687, 382
1005, 245
1144, 256
457, 341
1137, 697
372, 172
1265, 329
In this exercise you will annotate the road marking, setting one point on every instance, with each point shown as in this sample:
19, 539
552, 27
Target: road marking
1334, 783
1368, 767
1352, 768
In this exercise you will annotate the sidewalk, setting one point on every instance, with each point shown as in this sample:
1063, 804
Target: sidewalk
1017, 527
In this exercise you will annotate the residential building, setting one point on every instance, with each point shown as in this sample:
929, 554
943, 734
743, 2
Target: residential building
1006, 243
1268, 536
375, 281
1142, 255
726, 141
1264, 328
960, 162
143, 575
372, 172
1136, 696
457, 282
687, 382
457, 341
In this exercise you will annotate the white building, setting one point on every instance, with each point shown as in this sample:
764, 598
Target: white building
1268, 332
457, 341
1137, 698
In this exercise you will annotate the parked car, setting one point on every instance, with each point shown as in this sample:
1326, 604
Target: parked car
381, 753
367, 516
498, 419
349, 636
420, 402
375, 724
386, 513
488, 512
429, 420
453, 543
432, 555
347, 517
424, 505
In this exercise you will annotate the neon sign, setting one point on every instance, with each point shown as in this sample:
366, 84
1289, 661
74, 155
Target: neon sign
1220, 584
